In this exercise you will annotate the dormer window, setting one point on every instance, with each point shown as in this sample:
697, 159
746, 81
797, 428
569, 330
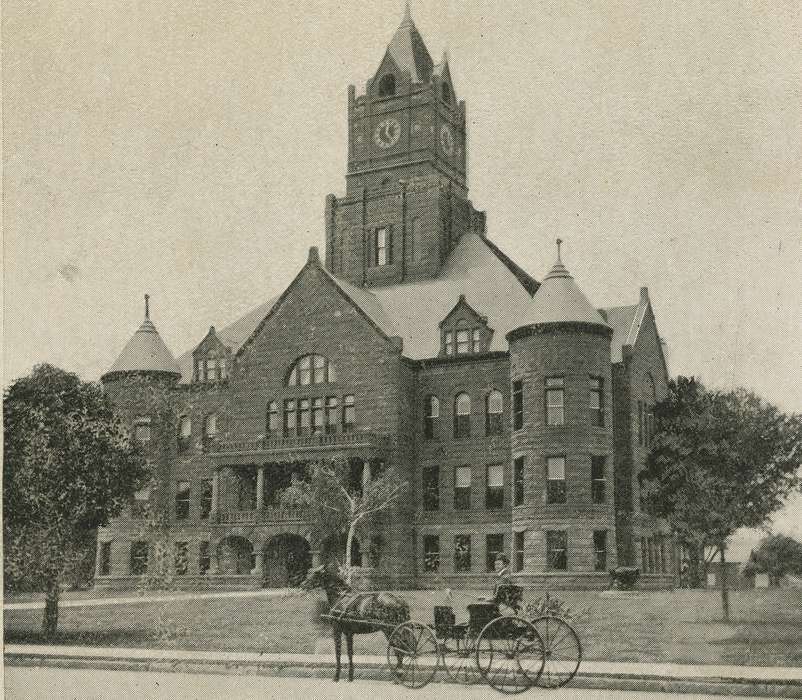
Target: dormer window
464, 332
387, 86
311, 369
211, 369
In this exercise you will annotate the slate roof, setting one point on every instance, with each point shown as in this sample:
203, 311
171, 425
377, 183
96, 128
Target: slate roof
145, 352
409, 51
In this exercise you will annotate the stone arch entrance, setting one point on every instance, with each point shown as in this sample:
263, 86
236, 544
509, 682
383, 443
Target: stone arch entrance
286, 561
236, 555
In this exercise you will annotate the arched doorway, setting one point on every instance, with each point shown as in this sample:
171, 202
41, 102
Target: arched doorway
236, 555
287, 559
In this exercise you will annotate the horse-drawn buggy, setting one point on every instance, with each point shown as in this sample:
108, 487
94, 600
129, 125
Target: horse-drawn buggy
498, 644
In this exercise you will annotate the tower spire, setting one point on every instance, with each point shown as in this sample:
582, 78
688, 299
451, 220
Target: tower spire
407, 14
559, 243
147, 306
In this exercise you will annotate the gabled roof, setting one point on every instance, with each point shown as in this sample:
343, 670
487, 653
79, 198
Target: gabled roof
409, 52
145, 352
622, 320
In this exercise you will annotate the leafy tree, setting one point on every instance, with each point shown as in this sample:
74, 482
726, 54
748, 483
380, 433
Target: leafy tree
341, 500
719, 461
68, 467
776, 555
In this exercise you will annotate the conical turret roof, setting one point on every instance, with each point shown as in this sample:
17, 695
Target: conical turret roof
409, 52
146, 351
560, 300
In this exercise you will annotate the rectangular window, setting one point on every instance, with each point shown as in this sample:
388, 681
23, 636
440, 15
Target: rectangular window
600, 550
431, 553
462, 553
139, 558
596, 401
518, 481
184, 433
332, 414
105, 558
431, 488
462, 488
210, 426
203, 558
555, 401
317, 416
555, 480
182, 500
139, 507
476, 340
640, 422
598, 480
289, 417
517, 405
181, 558
211, 369
432, 418
519, 550
223, 368
462, 416
556, 550
272, 419
494, 545
448, 342
463, 341
382, 247
494, 496
303, 417
494, 413
349, 413
319, 369
205, 504
142, 430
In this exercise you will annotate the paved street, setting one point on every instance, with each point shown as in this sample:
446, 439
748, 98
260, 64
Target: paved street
69, 684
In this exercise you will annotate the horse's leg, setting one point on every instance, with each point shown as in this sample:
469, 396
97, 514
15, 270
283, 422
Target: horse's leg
337, 648
349, 641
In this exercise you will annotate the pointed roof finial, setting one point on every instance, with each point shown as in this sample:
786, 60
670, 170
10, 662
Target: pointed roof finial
147, 306
559, 243
407, 14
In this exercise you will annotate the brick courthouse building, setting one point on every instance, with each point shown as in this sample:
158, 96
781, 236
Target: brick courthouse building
518, 412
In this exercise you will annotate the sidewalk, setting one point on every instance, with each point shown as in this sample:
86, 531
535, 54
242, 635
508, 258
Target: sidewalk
94, 602
722, 680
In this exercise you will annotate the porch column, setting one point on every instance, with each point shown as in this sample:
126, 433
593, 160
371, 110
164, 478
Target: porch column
98, 558
259, 564
216, 491
214, 557
260, 488
365, 472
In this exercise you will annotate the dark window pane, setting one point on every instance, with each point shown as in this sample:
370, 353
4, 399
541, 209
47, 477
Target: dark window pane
517, 405
462, 553
205, 498
203, 558
556, 545
518, 477
431, 488
519, 551
598, 479
139, 558
600, 550
431, 553
349, 414
181, 558
182, 500
494, 545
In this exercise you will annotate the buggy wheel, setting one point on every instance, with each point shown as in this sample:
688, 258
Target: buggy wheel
562, 650
413, 654
459, 659
509, 654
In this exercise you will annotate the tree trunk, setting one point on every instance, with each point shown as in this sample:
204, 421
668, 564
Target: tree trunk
50, 619
348, 542
725, 594
694, 557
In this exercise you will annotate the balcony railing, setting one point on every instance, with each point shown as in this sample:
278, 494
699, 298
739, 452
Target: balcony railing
296, 442
265, 515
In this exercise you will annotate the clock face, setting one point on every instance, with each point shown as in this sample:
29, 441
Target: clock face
387, 133
446, 139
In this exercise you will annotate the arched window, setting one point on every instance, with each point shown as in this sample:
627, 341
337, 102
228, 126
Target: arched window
387, 85
311, 369
445, 91
462, 415
494, 412
210, 427
431, 417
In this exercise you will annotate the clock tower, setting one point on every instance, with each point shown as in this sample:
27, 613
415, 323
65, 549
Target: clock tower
406, 186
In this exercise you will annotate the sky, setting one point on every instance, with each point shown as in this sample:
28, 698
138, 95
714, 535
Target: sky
185, 149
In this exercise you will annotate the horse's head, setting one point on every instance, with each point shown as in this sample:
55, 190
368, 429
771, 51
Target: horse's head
325, 578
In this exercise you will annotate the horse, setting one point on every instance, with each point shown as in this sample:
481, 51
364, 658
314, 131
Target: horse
351, 612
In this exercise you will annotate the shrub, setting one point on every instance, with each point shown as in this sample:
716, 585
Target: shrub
624, 578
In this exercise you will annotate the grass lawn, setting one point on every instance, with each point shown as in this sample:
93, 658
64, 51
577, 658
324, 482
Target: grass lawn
681, 626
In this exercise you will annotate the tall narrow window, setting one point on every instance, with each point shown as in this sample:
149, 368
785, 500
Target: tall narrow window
596, 401
463, 341
182, 500
303, 417
518, 545
272, 419
598, 480
640, 422
462, 553
142, 430
431, 553
517, 405
555, 401
205, 504
181, 558
494, 413
223, 368
555, 484
141, 501
305, 370
289, 417
184, 433
518, 481
431, 488
349, 413
448, 342
494, 496
105, 558
332, 414
462, 488
317, 416
431, 418
204, 560
494, 545
383, 255
600, 550
476, 340
139, 558
312, 369
210, 427
557, 550
462, 416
